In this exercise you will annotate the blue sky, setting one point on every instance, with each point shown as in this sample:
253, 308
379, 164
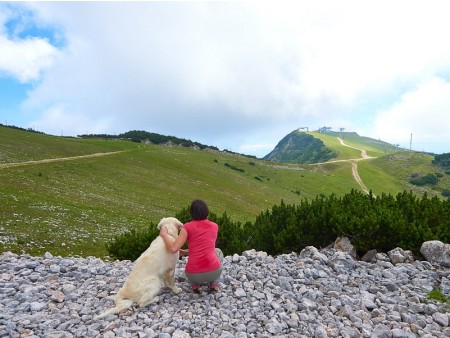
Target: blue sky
236, 75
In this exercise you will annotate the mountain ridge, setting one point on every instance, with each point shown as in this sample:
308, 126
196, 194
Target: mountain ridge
70, 206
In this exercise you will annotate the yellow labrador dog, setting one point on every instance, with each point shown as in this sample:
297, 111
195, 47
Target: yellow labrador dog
153, 270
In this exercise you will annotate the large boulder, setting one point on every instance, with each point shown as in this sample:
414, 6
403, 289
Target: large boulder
436, 253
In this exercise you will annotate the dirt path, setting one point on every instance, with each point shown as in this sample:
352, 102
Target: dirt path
354, 163
358, 178
364, 155
49, 160
355, 173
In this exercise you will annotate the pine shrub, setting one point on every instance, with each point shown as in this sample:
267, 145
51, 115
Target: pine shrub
382, 223
131, 244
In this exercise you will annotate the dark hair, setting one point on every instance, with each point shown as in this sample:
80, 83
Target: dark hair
199, 210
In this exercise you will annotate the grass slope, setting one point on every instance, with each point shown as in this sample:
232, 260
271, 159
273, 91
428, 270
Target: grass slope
74, 207
373, 147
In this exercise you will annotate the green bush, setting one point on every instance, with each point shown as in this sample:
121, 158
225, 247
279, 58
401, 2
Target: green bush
234, 167
446, 192
131, 244
383, 223
442, 160
429, 179
233, 236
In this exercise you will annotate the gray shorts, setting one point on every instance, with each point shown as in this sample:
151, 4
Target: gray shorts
204, 277
207, 277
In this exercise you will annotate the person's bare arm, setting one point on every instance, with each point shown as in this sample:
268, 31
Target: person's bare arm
173, 246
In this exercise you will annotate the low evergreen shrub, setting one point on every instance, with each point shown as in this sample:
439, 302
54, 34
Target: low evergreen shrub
131, 244
382, 223
428, 179
234, 167
446, 192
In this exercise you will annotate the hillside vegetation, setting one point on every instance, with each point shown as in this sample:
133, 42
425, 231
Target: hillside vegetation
300, 147
74, 204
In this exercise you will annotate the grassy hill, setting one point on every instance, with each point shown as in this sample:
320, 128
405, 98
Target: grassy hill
73, 204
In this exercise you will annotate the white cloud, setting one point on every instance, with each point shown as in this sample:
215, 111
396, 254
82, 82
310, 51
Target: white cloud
370, 47
422, 112
25, 60
170, 67
240, 75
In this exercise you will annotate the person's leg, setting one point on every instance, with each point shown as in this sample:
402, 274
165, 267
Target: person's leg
197, 279
213, 287
219, 255
196, 288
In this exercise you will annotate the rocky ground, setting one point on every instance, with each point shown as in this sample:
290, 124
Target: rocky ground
314, 294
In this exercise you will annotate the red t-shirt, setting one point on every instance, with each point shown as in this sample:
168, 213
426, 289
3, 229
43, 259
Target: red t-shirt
201, 238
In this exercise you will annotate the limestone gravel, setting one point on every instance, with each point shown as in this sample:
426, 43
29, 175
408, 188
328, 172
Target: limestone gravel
311, 294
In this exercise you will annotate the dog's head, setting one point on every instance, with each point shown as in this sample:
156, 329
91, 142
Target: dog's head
171, 224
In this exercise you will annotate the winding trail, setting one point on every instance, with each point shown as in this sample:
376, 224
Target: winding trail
354, 163
59, 159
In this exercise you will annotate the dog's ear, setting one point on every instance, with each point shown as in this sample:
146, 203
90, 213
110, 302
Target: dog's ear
179, 224
161, 223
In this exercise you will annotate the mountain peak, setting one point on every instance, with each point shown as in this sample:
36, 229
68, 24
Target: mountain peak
300, 147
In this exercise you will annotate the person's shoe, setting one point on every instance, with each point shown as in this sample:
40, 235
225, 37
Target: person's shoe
213, 287
196, 289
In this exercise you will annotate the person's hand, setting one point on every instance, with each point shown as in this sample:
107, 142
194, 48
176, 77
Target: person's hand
184, 252
163, 232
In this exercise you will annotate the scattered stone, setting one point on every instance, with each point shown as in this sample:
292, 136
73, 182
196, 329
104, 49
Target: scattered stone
344, 244
398, 255
369, 256
324, 293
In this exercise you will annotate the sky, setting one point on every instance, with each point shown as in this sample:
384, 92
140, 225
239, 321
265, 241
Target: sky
238, 75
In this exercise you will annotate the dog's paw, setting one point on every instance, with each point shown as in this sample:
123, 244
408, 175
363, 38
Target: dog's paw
176, 290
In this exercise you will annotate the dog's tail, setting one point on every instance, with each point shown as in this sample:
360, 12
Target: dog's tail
120, 305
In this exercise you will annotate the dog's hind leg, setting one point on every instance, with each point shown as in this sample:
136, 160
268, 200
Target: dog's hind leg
147, 298
149, 292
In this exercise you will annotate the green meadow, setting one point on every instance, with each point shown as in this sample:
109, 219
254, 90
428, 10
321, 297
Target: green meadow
69, 196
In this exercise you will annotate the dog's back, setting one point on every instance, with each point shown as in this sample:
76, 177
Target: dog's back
145, 279
149, 269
